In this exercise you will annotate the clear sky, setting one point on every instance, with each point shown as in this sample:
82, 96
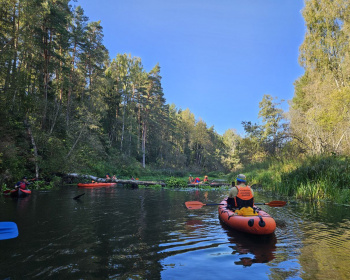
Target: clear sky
217, 57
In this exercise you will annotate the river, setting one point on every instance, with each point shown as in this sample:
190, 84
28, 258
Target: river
124, 233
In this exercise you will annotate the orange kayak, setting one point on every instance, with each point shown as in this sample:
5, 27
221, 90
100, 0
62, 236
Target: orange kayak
96, 185
260, 224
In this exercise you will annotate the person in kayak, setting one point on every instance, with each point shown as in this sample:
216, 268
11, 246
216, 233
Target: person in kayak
22, 185
190, 179
108, 178
240, 195
206, 178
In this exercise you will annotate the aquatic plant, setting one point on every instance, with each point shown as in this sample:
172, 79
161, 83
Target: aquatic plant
176, 182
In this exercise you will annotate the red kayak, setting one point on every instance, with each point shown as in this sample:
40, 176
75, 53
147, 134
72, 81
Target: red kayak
96, 185
20, 192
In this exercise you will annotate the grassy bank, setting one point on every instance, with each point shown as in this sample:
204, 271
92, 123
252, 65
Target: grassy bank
311, 178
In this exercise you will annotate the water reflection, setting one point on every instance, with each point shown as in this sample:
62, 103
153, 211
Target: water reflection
121, 233
251, 248
192, 225
22, 202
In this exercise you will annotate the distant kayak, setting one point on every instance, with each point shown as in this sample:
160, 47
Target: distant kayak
257, 222
96, 185
20, 192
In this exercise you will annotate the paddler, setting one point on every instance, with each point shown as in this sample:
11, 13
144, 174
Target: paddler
240, 195
22, 184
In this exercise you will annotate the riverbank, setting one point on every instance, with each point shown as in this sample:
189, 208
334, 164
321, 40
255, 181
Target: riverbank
161, 181
311, 178
170, 178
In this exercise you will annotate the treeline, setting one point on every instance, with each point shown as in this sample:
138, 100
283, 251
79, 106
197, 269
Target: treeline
318, 122
320, 109
66, 106
314, 162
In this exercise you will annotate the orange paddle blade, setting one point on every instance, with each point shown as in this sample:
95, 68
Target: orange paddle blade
194, 204
276, 203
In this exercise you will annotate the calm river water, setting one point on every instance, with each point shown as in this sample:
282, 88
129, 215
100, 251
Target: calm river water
124, 233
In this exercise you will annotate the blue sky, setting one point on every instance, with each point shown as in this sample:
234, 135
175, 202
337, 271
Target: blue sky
217, 57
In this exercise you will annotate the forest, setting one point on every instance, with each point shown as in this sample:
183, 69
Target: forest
66, 106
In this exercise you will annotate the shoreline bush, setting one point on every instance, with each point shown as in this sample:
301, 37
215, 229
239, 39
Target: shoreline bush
312, 178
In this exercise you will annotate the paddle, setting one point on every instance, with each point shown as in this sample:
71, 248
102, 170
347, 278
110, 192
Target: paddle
78, 196
8, 230
198, 204
276, 203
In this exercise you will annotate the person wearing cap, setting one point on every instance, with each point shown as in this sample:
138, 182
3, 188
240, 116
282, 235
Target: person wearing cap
22, 184
240, 195
205, 178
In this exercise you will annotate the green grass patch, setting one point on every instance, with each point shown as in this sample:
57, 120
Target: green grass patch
311, 178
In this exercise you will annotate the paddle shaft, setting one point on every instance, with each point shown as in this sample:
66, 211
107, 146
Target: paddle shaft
78, 196
210, 204
198, 204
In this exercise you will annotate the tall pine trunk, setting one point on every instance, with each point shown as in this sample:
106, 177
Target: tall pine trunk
35, 149
143, 146
70, 83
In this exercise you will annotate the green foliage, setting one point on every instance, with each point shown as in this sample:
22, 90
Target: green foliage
67, 107
216, 174
319, 114
319, 177
56, 181
311, 178
41, 185
300, 100
3, 187
176, 182
268, 140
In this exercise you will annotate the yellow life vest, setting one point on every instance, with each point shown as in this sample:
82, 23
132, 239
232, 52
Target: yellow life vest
246, 211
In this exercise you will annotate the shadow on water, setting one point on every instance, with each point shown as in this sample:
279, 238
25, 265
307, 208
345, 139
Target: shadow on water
252, 248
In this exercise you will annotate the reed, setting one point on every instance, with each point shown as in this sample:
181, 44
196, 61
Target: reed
309, 178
